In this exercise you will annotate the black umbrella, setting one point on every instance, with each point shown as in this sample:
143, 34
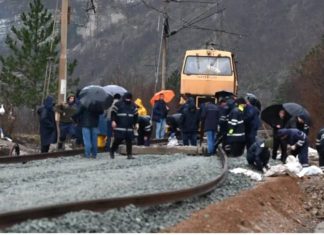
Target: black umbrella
95, 98
223, 94
253, 100
270, 115
297, 110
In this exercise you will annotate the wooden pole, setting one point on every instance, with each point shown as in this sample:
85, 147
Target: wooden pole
63, 60
61, 98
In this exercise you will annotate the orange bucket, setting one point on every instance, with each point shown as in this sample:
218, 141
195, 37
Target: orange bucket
101, 141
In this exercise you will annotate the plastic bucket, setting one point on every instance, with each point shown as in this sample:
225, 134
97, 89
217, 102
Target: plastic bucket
101, 141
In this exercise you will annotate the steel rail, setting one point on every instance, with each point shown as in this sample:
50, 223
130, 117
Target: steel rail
10, 218
40, 156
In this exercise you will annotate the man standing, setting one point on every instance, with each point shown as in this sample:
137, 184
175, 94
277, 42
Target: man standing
282, 122
67, 126
123, 120
209, 122
47, 126
236, 128
88, 120
160, 112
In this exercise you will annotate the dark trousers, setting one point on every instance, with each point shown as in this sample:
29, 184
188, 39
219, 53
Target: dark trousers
283, 145
142, 141
118, 141
250, 137
321, 158
45, 148
302, 153
189, 138
237, 149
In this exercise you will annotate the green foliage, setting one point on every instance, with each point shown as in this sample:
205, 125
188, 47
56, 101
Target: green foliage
173, 82
32, 47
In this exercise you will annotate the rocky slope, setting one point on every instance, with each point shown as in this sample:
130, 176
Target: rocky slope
121, 40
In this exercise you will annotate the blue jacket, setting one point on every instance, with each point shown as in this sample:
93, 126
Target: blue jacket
258, 155
236, 124
252, 120
85, 118
210, 116
160, 111
190, 118
294, 136
125, 115
47, 127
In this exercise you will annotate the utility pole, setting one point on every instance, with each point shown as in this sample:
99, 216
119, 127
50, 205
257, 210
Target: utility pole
164, 46
63, 60
62, 63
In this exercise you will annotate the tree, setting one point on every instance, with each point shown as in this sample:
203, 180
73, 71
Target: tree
306, 85
33, 53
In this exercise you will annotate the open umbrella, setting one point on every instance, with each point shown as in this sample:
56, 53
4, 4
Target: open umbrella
297, 110
253, 100
223, 94
270, 115
115, 89
95, 98
168, 96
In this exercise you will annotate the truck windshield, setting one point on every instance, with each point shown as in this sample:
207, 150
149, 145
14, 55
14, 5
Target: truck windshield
208, 65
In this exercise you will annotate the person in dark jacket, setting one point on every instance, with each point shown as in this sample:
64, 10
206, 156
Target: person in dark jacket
123, 120
320, 147
160, 112
236, 128
223, 124
78, 128
190, 123
299, 123
67, 125
277, 141
258, 155
107, 115
144, 130
48, 132
89, 121
252, 123
210, 119
298, 143
174, 123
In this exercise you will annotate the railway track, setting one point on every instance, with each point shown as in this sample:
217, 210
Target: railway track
10, 218
40, 156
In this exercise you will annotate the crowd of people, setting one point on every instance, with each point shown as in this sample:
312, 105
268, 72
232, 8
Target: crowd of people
231, 123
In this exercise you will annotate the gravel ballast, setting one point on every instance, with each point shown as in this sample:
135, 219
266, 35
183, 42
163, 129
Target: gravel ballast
71, 179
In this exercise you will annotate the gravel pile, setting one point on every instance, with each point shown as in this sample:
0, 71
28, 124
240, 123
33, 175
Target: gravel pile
71, 179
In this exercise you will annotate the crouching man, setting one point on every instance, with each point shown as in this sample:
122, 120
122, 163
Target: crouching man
320, 147
297, 142
258, 155
144, 130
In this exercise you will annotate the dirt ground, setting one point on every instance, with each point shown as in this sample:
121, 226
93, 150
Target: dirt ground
280, 204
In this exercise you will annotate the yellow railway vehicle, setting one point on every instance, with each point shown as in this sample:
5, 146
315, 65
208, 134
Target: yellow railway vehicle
207, 71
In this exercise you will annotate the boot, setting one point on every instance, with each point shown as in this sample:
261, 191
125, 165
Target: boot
130, 157
112, 154
60, 145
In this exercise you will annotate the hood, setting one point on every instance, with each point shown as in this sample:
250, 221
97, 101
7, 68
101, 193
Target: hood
138, 102
49, 102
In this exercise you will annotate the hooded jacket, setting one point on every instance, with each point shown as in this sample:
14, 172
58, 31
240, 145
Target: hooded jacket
47, 125
140, 107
